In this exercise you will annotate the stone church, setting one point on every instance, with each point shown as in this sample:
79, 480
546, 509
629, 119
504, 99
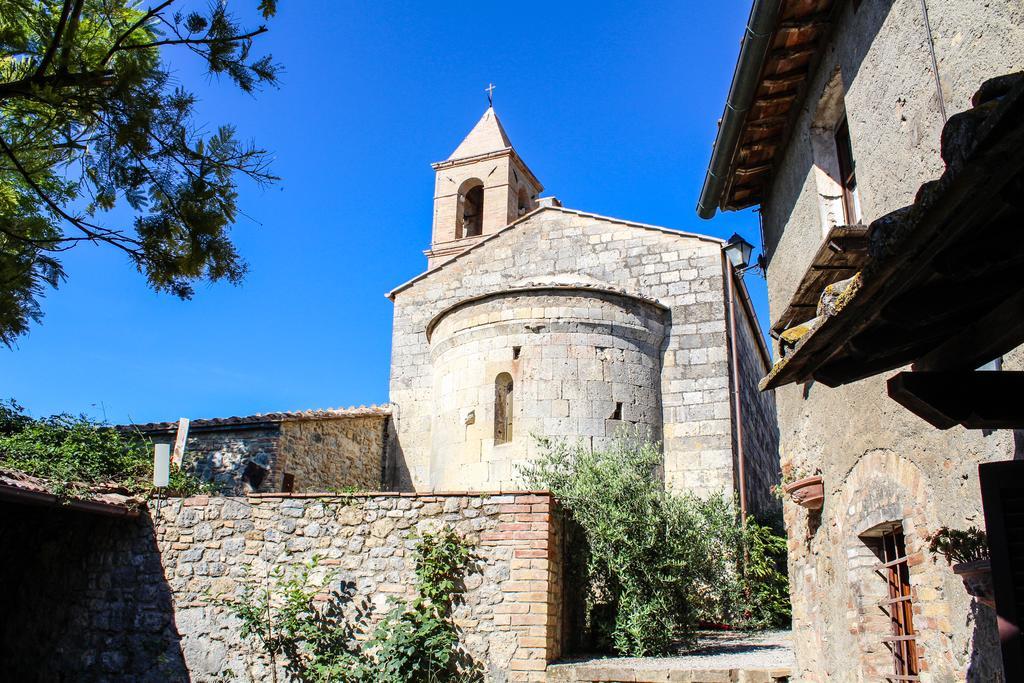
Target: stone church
533, 319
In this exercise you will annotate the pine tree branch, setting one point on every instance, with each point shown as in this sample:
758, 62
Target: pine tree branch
69, 40
196, 41
93, 232
51, 49
134, 27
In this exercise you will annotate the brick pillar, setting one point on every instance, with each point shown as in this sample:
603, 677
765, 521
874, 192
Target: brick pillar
531, 525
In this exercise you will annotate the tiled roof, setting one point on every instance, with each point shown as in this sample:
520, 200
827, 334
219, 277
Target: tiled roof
269, 418
105, 500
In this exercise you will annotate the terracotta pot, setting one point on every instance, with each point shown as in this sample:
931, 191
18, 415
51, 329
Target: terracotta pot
977, 578
808, 492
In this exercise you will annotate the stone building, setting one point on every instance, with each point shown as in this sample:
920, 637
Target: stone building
835, 127
533, 319
310, 450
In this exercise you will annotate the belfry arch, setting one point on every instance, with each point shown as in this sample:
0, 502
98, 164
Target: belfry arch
470, 215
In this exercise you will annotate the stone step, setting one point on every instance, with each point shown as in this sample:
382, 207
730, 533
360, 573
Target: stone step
588, 673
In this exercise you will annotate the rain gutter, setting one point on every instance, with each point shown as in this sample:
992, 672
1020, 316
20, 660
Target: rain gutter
756, 41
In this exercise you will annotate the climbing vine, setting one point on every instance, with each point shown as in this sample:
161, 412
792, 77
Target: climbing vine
334, 640
75, 454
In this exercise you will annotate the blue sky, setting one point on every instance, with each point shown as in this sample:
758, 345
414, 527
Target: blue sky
612, 105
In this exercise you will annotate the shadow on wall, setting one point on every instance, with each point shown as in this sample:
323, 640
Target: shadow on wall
85, 599
983, 667
798, 163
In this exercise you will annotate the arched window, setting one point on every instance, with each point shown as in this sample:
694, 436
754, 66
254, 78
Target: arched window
469, 220
523, 201
503, 408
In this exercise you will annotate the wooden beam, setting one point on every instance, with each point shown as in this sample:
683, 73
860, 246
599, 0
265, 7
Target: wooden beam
997, 333
976, 400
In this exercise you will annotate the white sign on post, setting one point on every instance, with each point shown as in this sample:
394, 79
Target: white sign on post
180, 440
161, 464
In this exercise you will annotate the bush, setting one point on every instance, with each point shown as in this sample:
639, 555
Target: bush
656, 564
74, 453
331, 641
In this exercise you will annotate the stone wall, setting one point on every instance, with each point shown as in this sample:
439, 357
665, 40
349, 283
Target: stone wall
232, 456
680, 271
128, 600
583, 363
760, 422
85, 599
892, 110
324, 455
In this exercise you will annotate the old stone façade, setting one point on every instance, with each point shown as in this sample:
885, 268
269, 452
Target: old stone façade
130, 599
600, 322
314, 450
882, 466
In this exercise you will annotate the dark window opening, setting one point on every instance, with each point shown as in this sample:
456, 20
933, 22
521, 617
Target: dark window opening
516, 350
617, 414
473, 212
899, 606
523, 201
288, 483
847, 171
503, 408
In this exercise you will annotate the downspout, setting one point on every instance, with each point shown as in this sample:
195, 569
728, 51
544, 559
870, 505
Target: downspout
741, 458
756, 41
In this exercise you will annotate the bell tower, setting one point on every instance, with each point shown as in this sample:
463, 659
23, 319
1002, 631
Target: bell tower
482, 187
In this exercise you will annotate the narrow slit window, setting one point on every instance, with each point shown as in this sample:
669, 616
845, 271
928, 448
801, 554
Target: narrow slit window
847, 172
516, 350
900, 607
503, 408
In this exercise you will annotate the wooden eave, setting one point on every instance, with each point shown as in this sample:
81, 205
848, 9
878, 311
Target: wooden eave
950, 262
842, 254
799, 34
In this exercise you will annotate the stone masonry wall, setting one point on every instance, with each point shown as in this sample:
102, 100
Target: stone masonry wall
85, 599
223, 455
325, 455
130, 600
682, 272
881, 52
583, 363
760, 423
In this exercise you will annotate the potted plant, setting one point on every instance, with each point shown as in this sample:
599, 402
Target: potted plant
806, 491
967, 553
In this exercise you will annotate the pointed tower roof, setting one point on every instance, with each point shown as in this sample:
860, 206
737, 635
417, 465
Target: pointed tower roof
487, 136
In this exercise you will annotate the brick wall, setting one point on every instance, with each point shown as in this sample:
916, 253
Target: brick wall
129, 601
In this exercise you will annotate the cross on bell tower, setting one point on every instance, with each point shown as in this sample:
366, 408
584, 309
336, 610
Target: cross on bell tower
490, 94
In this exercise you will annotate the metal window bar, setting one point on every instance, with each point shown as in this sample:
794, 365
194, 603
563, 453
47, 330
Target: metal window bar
903, 640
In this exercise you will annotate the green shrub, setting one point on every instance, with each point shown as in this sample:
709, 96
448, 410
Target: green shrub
73, 453
655, 563
332, 641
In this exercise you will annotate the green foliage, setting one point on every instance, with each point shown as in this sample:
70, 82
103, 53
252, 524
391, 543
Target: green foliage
657, 563
75, 454
960, 547
91, 118
332, 640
